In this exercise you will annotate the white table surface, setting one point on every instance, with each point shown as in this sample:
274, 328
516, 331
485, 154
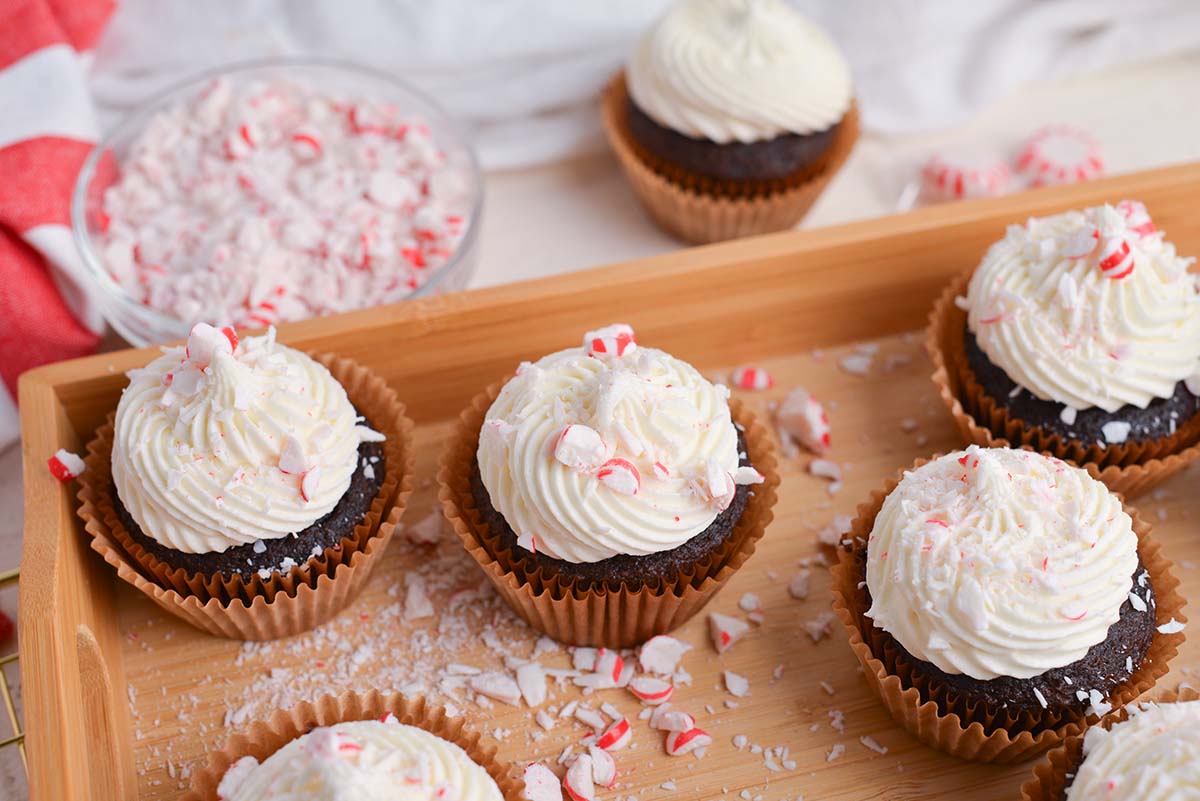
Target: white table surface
569, 216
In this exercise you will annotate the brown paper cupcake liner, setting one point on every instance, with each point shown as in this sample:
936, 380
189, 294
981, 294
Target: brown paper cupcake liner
1049, 780
939, 716
285, 604
263, 738
701, 213
613, 617
1128, 468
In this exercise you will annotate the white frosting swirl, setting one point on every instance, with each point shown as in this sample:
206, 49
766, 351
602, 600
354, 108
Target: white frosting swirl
366, 760
739, 71
199, 448
1155, 754
649, 409
1044, 309
996, 562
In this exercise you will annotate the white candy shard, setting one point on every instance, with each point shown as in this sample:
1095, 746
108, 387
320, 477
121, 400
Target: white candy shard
604, 767
541, 784
580, 448
531, 680
661, 654
609, 665
803, 418
620, 475
737, 684
679, 743
747, 475
291, 457
496, 686
614, 340
579, 783
719, 485
665, 718
798, 586
725, 630
205, 342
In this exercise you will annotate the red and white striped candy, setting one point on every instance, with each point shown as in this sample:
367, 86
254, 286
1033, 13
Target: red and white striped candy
65, 465
719, 484
750, 377
679, 743
579, 783
609, 664
616, 736
604, 767
725, 630
802, 417
620, 475
1081, 243
231, 334
661, 654
613, 340
1060, 155
965, 174
205, 342
1116, 259
541, 784
666, 719
306, 146
309, 483
651, 691
580, 448
1136, 217
291, 457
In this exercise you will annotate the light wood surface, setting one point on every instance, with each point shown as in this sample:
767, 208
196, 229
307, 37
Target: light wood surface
769, 300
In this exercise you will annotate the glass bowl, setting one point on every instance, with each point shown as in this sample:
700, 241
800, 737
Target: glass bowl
140, 324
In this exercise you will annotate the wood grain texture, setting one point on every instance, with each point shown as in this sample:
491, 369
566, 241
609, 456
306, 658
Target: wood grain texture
769, 300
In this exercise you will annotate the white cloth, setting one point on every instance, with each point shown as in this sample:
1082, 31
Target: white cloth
525, 73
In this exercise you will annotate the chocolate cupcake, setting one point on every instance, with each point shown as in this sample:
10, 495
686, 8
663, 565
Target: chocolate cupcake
1012, 592
737, 99
608, 469
1149, 750
1081, 338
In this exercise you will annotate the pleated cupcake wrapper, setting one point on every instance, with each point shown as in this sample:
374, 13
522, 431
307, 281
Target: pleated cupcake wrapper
599, 615
265, 737
700, 211
1129, 468
1049, 780
938, 715
286, 603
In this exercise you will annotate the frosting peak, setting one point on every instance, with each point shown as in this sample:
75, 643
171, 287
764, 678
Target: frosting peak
997, 562
609, 448
221, 443
739, 70
366, 760
1154, 754
1090, 308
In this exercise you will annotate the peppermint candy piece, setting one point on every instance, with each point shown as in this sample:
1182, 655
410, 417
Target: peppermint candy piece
65, 465
1116, 258
309, 483
802, 417
620, 475
666, 719
661, 654
719, 485
747, 475
580, 448
1137, 219
291, 458
651, 691
1060, 154
616, 736
609, 665
958, 175
612, 340
579, 783
725, 631
679, 743
752, 378
205, 342
604, 767
541, 784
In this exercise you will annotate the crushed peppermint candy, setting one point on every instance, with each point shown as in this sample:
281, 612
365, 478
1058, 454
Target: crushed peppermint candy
257, 202
801, 417
65, 465
1172, 626
752, 378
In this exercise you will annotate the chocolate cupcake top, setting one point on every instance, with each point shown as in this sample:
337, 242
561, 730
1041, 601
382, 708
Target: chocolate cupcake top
609, 449
1154, 754
223, 443
739, 71
997, 562
367, 760
1088, 309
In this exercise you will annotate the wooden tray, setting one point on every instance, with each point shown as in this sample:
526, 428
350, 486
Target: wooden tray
120, 700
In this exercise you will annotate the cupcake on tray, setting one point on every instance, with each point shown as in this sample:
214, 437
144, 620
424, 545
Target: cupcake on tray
369, 748
730, 117
608, 490
1150, 750
1000, 598
1078, 335
238, 471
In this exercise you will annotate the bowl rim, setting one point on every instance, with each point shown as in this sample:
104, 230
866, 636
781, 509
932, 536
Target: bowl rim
134, 120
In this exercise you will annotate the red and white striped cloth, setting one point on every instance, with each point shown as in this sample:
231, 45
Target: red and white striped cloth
47, 126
